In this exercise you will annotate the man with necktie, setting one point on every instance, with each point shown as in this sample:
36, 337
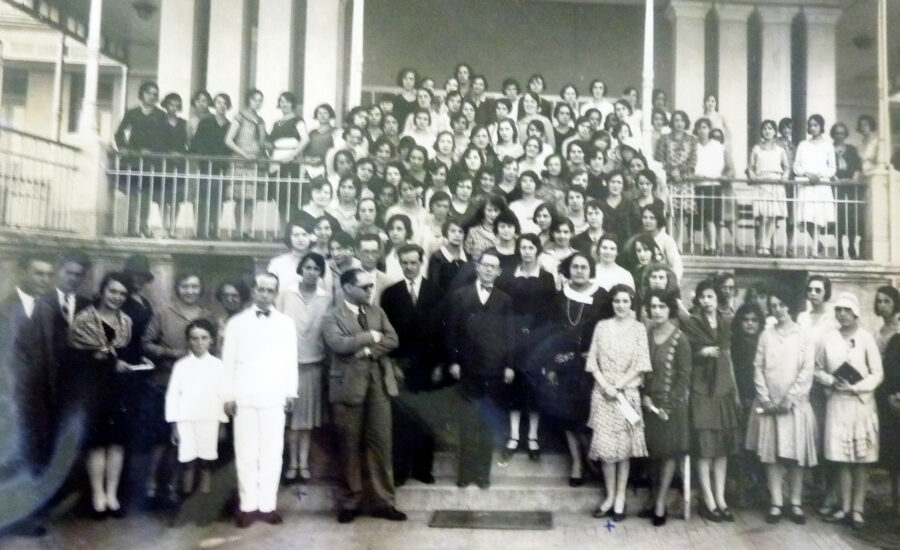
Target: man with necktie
479, 342
260, 356
411, 305
361, 382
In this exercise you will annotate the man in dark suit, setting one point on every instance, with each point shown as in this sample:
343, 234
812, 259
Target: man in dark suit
479, 342
410, 305
23, 391
361, 382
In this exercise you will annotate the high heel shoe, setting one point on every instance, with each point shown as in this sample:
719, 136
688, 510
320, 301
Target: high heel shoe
599, 512
659, 521
512, 445
713, 515
619, 516
726, 515
534, 450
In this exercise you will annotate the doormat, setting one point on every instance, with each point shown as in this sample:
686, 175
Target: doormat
475, 519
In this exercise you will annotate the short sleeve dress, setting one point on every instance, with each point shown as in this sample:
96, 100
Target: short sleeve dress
616, 348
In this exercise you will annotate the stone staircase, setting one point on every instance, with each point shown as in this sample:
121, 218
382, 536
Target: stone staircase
521, 484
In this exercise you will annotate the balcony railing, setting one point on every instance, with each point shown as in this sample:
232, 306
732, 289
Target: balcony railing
38, 178
769, 218
209, 198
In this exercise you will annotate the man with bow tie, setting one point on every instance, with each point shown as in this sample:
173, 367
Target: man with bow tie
260, 356
361, 382
479, 342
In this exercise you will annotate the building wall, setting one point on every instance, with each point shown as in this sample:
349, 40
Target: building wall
566, 42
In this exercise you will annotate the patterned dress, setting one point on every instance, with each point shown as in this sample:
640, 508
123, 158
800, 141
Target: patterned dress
669, 386
617, 348
679, 153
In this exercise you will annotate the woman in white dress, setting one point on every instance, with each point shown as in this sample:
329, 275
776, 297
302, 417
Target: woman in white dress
848, 364
608, 273
768, 161
710, 193
814, 165
782, 426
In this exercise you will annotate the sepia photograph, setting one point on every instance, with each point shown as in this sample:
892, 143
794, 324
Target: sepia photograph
449, 274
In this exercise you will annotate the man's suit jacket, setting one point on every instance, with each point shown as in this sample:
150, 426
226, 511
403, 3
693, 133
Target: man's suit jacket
480, 336
349, 375
414, 323
51, 329
382, 281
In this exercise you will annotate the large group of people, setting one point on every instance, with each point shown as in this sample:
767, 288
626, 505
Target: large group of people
454, 351
408, 148
503, 267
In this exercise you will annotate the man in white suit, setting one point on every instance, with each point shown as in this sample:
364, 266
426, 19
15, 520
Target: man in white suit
260, 357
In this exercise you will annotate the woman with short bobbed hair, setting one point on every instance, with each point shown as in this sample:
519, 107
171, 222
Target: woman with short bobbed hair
782, 427
849, 365
618, 359
406, 101
814, 166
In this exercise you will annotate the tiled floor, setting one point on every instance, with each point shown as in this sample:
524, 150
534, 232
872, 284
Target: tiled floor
320, 531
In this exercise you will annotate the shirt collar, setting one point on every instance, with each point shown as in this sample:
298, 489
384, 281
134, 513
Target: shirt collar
449, 256
533, 275
352, 307
582, 297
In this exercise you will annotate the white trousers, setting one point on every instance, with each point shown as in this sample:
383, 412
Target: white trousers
258, 444
198, 439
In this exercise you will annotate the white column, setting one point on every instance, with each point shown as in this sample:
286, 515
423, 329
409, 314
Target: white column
733, 77
88, 124
776, 60
821, 70
57, 87
354, 90
178, 68
689, 39
323, 56
226, 65
647, 75
274, 53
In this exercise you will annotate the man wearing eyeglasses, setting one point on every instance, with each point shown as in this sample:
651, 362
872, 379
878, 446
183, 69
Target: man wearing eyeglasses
479, 337
361, 383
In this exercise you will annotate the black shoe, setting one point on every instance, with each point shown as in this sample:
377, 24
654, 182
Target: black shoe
659, 521
576, 481
727, 515
714, 515
619, 516
119, 513
512, 445
484, 484
797, 515
772, 517
29, 528
244, 519
346, 516
97, 515
600, 513
534, 450
272, 518
390, 514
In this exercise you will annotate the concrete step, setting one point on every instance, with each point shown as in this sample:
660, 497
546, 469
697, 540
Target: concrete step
550, 465
518, 493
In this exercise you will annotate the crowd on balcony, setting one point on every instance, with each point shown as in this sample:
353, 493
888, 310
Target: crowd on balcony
574, 154
494, 336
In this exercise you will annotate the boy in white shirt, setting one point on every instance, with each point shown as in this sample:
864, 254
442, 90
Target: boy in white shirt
194, 405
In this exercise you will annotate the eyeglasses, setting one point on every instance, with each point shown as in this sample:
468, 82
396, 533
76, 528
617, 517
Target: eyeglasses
368, 286
489, 266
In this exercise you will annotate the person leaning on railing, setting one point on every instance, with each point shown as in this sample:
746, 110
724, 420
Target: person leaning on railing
246, 138
209, 140
848, 166
768, 161
814, 163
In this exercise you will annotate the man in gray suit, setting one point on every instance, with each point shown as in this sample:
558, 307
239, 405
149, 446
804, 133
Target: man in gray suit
361, 382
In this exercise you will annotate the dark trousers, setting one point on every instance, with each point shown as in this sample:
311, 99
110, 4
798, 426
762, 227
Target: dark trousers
364, 436
480, 418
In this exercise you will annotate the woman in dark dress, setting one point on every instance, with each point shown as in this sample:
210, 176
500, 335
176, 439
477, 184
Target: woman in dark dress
748, 324
562, 385
97, 336
532, 291
209, 140
715, 419
620, 215
887, 306
666, 392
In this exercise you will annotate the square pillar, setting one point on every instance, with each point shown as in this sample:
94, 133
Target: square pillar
776, 60
229, 43
689, 38
821, 52
178, 68
733, 77
324, 56
274, 54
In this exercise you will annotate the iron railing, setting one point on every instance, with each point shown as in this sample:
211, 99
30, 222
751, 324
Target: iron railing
824, 220
38, 180
202, 197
